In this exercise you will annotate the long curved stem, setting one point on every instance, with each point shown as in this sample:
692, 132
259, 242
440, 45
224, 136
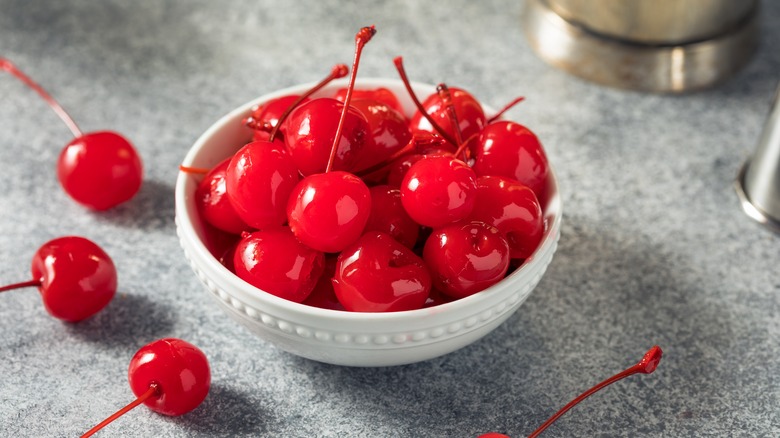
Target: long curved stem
153, 390
399, 65
361, 38
338, 71
446, 102
64, 116
20, 285
647, 365
194, 170
498, 115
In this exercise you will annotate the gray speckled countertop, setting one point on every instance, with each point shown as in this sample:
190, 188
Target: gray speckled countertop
654, 248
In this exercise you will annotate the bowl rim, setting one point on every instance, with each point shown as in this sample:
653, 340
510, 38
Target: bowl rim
186, 227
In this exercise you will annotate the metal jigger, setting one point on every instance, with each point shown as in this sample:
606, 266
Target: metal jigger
758, 183
668, 46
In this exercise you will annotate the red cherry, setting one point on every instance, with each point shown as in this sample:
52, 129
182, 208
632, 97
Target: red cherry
75, 277
380, 94
170, 376
275, 261
511, 150
179, 369
378, 274
99, 170
389, 130
310, 135
259, 179
399, 65
388, 216
466, 258
438, 190
213, 203
471, 117
328, 211
513, 209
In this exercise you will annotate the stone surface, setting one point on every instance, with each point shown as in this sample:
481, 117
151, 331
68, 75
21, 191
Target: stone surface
654, 250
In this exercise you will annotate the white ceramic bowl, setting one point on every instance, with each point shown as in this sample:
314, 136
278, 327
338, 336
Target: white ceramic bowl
336, 337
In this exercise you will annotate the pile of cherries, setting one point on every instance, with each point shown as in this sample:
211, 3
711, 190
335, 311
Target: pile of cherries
342, 202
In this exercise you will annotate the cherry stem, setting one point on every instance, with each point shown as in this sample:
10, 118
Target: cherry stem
154, 390
463, 146
12, 69
505, 109
338, 71
21, 285
194, 170
399, 65
647, 365
446, 101
361, 38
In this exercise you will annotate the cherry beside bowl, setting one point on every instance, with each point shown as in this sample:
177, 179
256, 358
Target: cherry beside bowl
337, 337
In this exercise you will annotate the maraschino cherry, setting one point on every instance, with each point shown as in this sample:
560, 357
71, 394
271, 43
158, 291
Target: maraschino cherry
647, 365
75, 277
421, 110
328, 211
439, 190
170, 376
471, 117
466, 258
513, 209
275, 261
378, 274
98, 169
511, 150
258, 181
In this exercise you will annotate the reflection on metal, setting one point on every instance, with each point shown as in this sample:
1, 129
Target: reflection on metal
758, 183
636, 44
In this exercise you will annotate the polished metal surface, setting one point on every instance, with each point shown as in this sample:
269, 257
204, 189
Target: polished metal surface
627, 52
656, 21
758, 183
